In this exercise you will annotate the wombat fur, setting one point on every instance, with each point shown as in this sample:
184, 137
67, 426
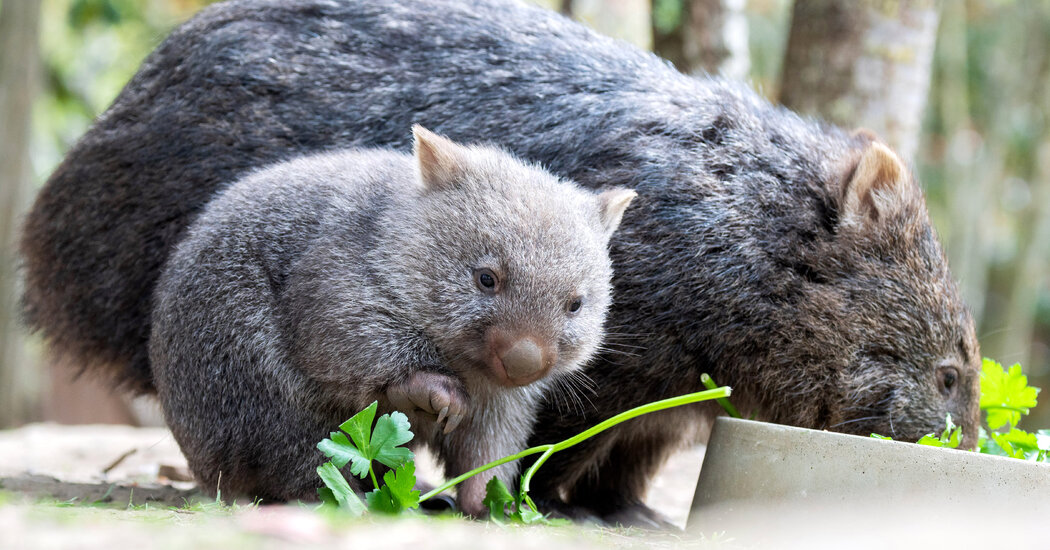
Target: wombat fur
789, 259
307, 290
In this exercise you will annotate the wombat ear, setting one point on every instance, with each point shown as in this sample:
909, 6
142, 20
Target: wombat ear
877, 185
438, 159
613, 203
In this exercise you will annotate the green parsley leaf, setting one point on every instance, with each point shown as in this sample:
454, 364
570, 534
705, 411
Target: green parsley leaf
342, 451
498, 499
952, 434
987, 445
391, 431
360, 426
328, 500
1018, 443
380, 444
1005, 395
504, 506
338, 491
528, 512
402, 483
397, 494
931, 440
950, 438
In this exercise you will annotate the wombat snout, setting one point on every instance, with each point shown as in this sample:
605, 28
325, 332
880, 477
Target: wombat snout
517, 360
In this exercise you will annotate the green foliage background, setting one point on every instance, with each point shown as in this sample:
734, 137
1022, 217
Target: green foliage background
90, 49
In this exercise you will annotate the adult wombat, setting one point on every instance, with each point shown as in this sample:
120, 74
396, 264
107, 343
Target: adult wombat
789, 259
454, 287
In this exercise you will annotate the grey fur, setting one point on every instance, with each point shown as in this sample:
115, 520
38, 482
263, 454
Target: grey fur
311, 288
735, 261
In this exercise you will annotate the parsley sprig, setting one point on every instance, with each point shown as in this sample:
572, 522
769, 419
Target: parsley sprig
366, 444
1006, 397
395, 494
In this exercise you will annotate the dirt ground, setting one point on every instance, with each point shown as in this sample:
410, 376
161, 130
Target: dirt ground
109, 487
97, 486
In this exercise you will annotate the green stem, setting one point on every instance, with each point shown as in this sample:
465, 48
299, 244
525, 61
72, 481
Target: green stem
729, 408
717, 393
460, 478
527, 478
371, 472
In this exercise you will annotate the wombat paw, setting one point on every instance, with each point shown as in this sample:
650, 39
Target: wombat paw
432, 393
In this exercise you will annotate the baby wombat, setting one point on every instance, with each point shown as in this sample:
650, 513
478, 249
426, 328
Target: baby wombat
454, 288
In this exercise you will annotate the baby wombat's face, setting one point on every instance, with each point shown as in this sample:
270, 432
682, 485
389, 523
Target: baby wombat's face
513, 274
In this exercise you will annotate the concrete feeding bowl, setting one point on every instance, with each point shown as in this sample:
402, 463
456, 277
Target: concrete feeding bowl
754, 469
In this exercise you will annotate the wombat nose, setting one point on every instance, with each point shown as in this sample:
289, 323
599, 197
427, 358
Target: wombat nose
524, 360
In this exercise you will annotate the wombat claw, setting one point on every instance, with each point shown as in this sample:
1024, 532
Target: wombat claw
431, 393
453, 421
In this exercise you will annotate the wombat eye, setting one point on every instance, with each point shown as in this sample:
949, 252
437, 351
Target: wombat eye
486, 280
575, 305
948, 377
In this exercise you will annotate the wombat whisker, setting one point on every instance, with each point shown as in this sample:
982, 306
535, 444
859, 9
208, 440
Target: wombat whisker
580, 406
615, 329
562, 389
878, 406
579, 387
626, 335
990, 333
616, 351
886, 400
622, 345
555, 393
584, 381
861, 419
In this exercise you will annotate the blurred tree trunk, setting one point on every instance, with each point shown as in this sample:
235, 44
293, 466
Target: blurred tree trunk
862, 63
972, 167
999, 188
19, 59
1026, 275
1030, 266
709, 36
627, 20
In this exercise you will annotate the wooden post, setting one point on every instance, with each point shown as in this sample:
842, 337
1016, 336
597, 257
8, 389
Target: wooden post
19, 64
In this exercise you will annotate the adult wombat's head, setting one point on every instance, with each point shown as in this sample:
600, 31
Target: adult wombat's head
886, 341
506, 266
